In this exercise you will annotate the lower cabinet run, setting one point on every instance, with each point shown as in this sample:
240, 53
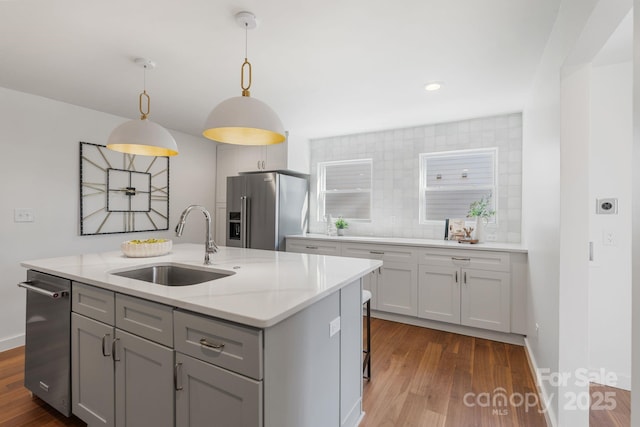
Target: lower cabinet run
140, 363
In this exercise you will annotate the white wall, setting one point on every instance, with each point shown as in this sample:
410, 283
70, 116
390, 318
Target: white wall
541, 195
396, 173
40, 138
555, 200
610, 176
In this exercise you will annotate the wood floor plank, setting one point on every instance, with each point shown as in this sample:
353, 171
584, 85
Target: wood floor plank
420, 377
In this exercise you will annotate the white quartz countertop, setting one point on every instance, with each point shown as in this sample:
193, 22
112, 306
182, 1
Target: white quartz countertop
432, 243
267, 286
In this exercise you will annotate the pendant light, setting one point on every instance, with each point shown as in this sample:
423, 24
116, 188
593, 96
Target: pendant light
143, 137
243, 120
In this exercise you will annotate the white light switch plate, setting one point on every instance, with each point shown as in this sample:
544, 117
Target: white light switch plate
23, 215
334, 326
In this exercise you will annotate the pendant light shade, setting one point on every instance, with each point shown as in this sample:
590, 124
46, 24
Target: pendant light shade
143, 137
243, 120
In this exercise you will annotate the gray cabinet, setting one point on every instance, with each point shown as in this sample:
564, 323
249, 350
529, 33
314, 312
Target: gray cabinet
92, 380
471, 289
120, 379
219, 371
394, 286
143, 382
207, 395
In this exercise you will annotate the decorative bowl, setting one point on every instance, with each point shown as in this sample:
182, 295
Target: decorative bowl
146, 248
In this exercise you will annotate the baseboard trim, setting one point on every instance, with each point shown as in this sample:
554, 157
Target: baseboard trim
622, 382
11, 342
508, 338
549, 414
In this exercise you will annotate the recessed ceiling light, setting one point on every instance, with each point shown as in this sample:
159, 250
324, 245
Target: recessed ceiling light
433, 86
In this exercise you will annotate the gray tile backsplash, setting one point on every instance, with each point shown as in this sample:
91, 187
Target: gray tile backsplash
395, 154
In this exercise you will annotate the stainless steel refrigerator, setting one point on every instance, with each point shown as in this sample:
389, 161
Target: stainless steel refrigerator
263, 208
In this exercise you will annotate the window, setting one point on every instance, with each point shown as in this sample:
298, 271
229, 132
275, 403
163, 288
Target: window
450, 181
344, 189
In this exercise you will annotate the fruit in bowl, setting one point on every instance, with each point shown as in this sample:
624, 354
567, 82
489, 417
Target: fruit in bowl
146, 248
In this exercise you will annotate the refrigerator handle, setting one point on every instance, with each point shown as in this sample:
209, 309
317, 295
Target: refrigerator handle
244, 221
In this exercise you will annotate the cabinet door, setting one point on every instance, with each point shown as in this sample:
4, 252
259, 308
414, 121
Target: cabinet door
439, 293
144, 382
398, 288
250, 158
276, 156
92, 387
209, 396
485, 299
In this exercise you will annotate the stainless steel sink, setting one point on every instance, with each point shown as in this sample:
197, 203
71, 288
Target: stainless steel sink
168, 274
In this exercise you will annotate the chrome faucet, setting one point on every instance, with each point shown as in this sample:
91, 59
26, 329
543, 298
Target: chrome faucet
210, 246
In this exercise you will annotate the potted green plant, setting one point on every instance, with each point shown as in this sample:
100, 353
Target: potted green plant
341, 224
481, 211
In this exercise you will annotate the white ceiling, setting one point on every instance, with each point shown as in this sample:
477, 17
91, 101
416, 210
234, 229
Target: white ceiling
327, 67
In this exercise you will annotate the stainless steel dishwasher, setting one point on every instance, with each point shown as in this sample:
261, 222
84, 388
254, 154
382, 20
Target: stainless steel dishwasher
47, 359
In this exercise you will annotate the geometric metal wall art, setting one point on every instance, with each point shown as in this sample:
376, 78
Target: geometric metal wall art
122, 193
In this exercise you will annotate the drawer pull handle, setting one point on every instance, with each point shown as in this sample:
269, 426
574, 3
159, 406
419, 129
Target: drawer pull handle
177, 376
205, 343
465, 277
376, 252
311, 247
460, 259
456, 277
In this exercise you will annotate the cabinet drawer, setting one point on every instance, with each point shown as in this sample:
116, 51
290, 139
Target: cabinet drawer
228, 345
96, 303
481, 260
386, 253
313, 247
145, 318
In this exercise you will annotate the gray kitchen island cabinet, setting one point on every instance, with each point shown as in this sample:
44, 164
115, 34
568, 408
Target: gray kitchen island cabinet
276, 342
118, 379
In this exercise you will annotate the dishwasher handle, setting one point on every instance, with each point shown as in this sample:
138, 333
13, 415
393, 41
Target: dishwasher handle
28, 285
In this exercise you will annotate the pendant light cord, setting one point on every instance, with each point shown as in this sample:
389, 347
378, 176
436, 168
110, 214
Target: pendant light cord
143, 95
245, 87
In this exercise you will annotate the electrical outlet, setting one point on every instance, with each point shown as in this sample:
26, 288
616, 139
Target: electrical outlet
23, 215
491, 237
334, 326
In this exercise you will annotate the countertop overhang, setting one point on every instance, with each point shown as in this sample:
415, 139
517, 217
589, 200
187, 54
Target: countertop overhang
267, 286
431, 243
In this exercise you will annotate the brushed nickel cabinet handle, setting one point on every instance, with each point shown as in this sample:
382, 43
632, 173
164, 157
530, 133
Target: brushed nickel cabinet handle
113, 350
376, 252
205, 343
263, 164
104, 346
460, 259
177, 376
311, 247
456, 277
464, 278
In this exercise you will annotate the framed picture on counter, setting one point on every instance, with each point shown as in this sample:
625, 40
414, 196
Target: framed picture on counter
454, 228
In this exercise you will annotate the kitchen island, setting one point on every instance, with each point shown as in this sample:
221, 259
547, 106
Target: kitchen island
277, 342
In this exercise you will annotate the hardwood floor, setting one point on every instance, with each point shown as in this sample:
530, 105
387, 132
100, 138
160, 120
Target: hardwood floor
17, 407
424, 377
420, 377
610, 407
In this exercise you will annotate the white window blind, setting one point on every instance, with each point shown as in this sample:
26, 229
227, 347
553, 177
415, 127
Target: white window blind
344, 189
451, 181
